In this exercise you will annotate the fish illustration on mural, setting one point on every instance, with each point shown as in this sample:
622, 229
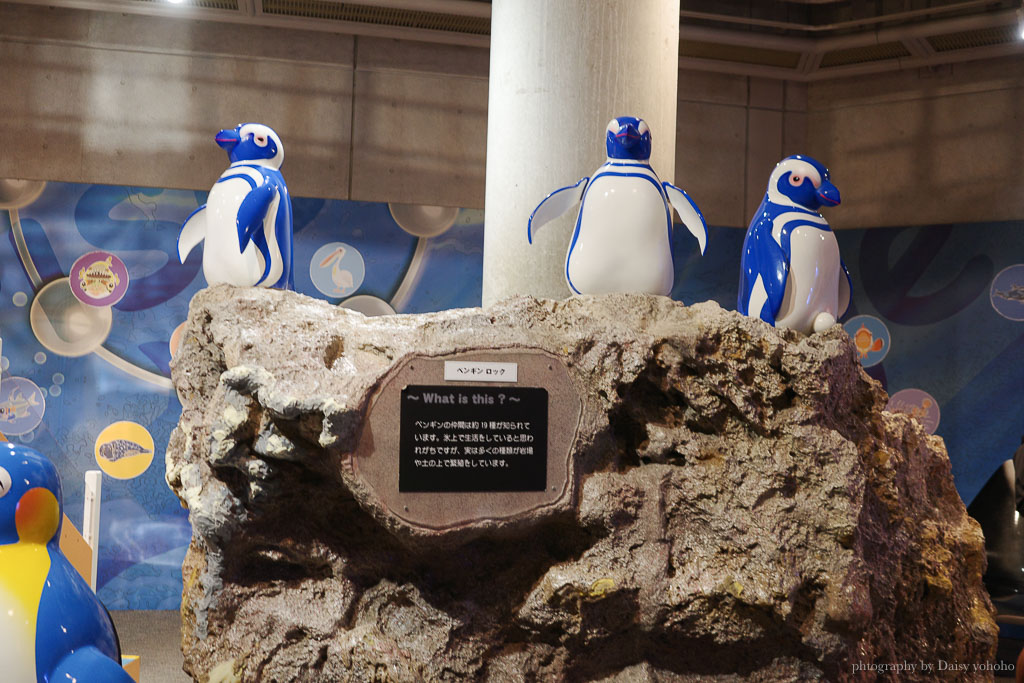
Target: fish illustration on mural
866, 342
17, 406
1014, 293
119, 449
97, 279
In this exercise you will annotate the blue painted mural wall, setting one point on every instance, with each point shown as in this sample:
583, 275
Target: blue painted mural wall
937, 309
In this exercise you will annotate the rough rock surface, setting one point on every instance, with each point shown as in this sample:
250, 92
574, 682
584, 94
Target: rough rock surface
740, 507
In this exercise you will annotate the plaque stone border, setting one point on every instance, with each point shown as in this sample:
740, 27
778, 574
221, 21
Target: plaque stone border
375, 461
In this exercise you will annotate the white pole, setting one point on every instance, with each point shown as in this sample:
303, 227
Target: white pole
91, 519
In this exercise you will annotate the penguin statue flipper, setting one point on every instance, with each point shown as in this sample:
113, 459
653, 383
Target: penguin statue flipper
89, 665
252, 213
192, 232
689, 214
761, 297
554, 205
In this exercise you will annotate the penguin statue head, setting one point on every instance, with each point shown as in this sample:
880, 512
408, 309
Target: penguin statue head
628, 138
252, 142
30, 496
802, 181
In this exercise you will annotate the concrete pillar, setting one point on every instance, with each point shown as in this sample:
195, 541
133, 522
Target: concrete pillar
560, 71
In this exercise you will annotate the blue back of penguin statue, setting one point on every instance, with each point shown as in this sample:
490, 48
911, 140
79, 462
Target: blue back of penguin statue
622, 241
791, 273
53, 628
247, 219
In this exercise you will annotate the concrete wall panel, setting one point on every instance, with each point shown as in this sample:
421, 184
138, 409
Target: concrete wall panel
126, 105
420, 124
925, 146
711, 144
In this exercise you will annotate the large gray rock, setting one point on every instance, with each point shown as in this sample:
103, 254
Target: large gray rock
738, 505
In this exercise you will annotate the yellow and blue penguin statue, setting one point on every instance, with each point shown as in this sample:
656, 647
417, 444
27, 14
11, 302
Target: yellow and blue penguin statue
53, 628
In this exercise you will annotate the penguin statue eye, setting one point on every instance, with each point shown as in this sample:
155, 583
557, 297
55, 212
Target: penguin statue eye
642, 128
5, 482
795, 180
260, 140
613, 126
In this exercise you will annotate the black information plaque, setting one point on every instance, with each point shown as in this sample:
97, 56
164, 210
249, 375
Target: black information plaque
460, 438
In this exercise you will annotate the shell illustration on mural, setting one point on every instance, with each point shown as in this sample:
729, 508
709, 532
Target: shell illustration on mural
791, 274
622, 241
122, 448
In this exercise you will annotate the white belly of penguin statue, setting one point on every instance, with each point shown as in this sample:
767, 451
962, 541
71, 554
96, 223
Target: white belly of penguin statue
622, 241
247, 219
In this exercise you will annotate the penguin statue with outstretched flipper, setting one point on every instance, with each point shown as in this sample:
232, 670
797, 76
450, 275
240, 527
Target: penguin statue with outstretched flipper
791, 273
247, 219
53, 628
622, 241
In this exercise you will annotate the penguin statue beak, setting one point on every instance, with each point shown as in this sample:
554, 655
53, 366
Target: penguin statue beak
628, 135
828, 194
227, 139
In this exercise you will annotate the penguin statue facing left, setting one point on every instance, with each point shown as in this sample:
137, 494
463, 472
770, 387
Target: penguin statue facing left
622, 241
52, 626
247, 219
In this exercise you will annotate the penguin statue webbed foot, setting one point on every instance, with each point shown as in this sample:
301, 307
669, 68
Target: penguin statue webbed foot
791, 273
622, 241
52, 626
247, 219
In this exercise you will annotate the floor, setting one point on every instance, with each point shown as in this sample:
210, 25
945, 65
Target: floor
156, 637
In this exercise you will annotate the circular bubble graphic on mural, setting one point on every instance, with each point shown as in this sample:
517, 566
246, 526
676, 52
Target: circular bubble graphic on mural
1007, 292
124, 450
175, 340
871, 338
16, 193
99, 278
337, 269
64, 325
368, 305
917, 404
422, 220
22, 405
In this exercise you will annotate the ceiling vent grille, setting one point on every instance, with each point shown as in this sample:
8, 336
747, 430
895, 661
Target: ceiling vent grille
982, 37
381, 16
740, 54
231, 5
864, 54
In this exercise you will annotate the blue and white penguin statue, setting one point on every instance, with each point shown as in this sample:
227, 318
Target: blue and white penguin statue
791, 274
623, 236
247, 219
52, 626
